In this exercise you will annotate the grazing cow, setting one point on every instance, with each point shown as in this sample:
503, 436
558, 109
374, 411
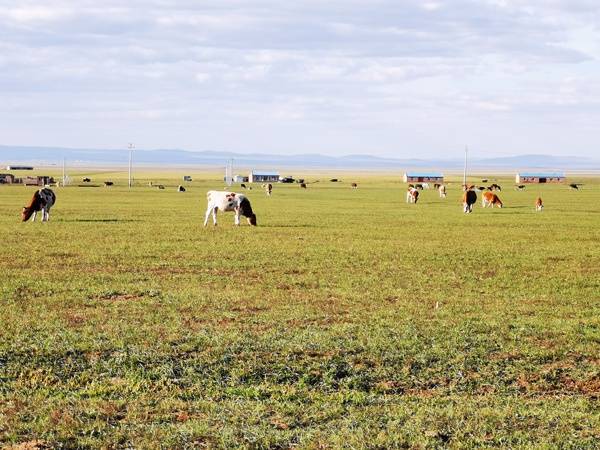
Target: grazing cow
425, 185
436, 185
229, 201
108, 183
484, 181
574, 186
495, 187
334, 180
539, 205
490, 199
469, 199
180, 188
303, 185
419, 186
42, 200
481, 188
159, 186
354, 186
269, 188
442, 190
243, 186
412, 195
520, 187
87, 180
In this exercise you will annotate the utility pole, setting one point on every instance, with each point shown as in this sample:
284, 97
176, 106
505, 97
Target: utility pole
64, 183
131, 147
465, 171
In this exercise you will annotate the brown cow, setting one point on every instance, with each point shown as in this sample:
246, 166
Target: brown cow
469, 199
490, 199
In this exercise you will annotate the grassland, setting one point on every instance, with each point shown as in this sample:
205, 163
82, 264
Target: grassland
346, 319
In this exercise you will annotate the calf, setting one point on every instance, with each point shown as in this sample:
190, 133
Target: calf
469, 199
490, 199
574, 187
243, 186
539, 205
42, 200
303, 185
412, 195
442, 190
108, 183
520, 187
354, 186
269, 189
87, 180
229, 201
180, 188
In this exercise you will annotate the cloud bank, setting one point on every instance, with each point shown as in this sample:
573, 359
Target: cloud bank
394, 78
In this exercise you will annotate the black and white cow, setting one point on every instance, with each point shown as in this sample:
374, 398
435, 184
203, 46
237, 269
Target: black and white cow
228, 201
42, 200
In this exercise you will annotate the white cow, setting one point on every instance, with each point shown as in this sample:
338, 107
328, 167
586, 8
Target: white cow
442, 191
412, 195
229, 201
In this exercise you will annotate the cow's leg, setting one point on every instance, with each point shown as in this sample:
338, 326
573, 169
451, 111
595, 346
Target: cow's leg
214, 214
206, 216
33, 216
44, 215
236, 219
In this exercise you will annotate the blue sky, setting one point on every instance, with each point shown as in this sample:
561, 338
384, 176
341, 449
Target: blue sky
389, 78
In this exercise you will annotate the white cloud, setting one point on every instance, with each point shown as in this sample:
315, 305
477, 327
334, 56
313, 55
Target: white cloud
350, 64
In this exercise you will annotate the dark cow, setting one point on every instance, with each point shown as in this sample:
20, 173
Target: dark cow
469, 199
243, 186
495, 187
574, 186
520, 187
42, 200
303, 185
87, 180
108, 183
180, 188
354, 186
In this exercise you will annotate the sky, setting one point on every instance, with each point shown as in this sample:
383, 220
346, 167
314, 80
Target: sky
397, 78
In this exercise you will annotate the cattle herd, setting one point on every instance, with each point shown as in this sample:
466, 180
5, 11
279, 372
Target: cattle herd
43, 199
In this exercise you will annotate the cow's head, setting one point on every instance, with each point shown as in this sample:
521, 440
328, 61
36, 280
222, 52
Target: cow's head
246, 210
26, 213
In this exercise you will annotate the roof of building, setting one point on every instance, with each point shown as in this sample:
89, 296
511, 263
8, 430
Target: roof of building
265, 174
425, 174
542, 174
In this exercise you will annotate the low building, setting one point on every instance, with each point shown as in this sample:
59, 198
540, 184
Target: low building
423, 177
19, 168
263, 177
540, 177
41, 180
7, 178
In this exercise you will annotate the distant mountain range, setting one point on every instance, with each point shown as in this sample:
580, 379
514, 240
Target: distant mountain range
176, 157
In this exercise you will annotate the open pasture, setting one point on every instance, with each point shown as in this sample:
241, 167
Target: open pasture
347, 318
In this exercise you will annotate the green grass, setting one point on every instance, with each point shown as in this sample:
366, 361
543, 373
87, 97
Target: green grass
347, 318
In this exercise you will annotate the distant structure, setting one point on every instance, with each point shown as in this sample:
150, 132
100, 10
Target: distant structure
540, 177
43, 180
423, 177
240, 179
19, 168
7, 178
263, 177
